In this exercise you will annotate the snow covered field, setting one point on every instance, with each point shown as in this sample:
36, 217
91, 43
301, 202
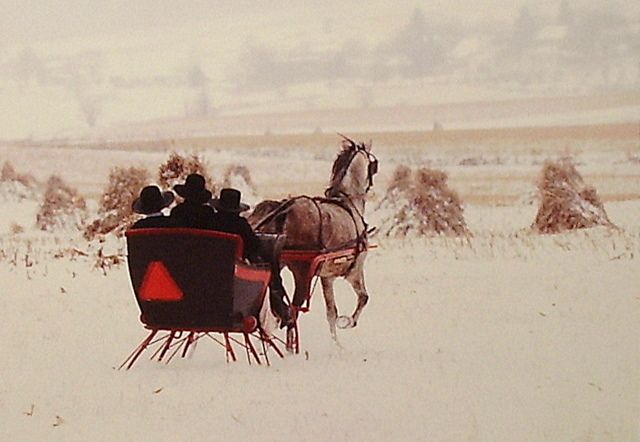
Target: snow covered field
510, 336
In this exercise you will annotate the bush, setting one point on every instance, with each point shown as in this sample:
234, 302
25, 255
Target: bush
62, 207
115, 213
239, 177
234, 172
177, 167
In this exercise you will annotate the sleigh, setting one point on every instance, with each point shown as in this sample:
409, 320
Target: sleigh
193, 285
311, 261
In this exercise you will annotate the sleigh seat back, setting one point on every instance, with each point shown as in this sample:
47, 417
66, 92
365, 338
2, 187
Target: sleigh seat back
193, 279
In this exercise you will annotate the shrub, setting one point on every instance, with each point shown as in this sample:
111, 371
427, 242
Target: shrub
115, 213
177, 167
239, 177
62, 207
234, 171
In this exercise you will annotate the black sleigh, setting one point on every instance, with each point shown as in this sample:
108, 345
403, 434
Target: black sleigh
192, 284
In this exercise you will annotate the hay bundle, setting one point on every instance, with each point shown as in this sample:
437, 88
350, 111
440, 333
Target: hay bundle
15, 186
115, 213
401, 180
239, 177
421, 203
177, 167
566, 203
63, 207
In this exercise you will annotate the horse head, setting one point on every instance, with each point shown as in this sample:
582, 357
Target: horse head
353, 171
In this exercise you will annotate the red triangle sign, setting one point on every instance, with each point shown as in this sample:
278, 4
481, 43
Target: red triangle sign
158, 285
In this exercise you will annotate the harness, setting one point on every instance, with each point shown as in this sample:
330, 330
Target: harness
360, 241
338, 198
354, 149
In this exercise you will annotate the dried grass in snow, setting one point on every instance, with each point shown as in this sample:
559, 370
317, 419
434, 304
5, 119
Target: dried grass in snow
16, 186
239, 177
421, 203
566, 203
63, 207
177, 167
115, 213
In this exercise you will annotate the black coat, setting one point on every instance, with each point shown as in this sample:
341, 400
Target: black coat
234, 223
196, 216
153, 221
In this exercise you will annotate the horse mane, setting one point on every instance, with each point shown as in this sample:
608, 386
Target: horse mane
341, 163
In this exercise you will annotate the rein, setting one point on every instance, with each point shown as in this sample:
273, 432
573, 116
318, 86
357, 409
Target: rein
283, 208
336, 197
361, 239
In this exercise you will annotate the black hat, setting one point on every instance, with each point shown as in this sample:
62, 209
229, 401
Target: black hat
151, 200
193, 189
229, 201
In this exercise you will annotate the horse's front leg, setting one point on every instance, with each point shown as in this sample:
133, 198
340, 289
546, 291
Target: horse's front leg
330, 302
356, 279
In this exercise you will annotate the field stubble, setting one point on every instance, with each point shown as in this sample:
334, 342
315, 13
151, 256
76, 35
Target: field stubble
485, 166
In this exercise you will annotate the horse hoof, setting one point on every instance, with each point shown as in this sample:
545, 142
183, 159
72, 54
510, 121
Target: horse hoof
344, 322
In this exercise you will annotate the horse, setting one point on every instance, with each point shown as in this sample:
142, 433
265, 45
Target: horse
326, 224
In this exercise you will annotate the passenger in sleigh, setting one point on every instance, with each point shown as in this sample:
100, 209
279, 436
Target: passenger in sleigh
193, 211
227, 219
150, 203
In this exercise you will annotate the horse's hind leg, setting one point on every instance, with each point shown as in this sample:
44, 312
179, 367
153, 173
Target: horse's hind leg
300, 272
356, 279
330, 302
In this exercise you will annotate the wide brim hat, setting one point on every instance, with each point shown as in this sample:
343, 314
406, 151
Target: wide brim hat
229, 201
193, 189
152, 200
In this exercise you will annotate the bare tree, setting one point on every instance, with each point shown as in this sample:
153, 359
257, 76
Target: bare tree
199, 82
85, 75
90, 107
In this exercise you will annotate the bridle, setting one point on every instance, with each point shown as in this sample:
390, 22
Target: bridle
353, 149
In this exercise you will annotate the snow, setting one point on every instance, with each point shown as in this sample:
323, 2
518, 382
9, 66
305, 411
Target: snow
505, 336
448, 351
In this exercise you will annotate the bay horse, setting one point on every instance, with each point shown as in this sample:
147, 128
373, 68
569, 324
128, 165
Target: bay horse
326, 224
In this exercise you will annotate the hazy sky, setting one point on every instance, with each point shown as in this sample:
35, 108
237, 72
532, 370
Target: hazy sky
65, 62
30, 21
